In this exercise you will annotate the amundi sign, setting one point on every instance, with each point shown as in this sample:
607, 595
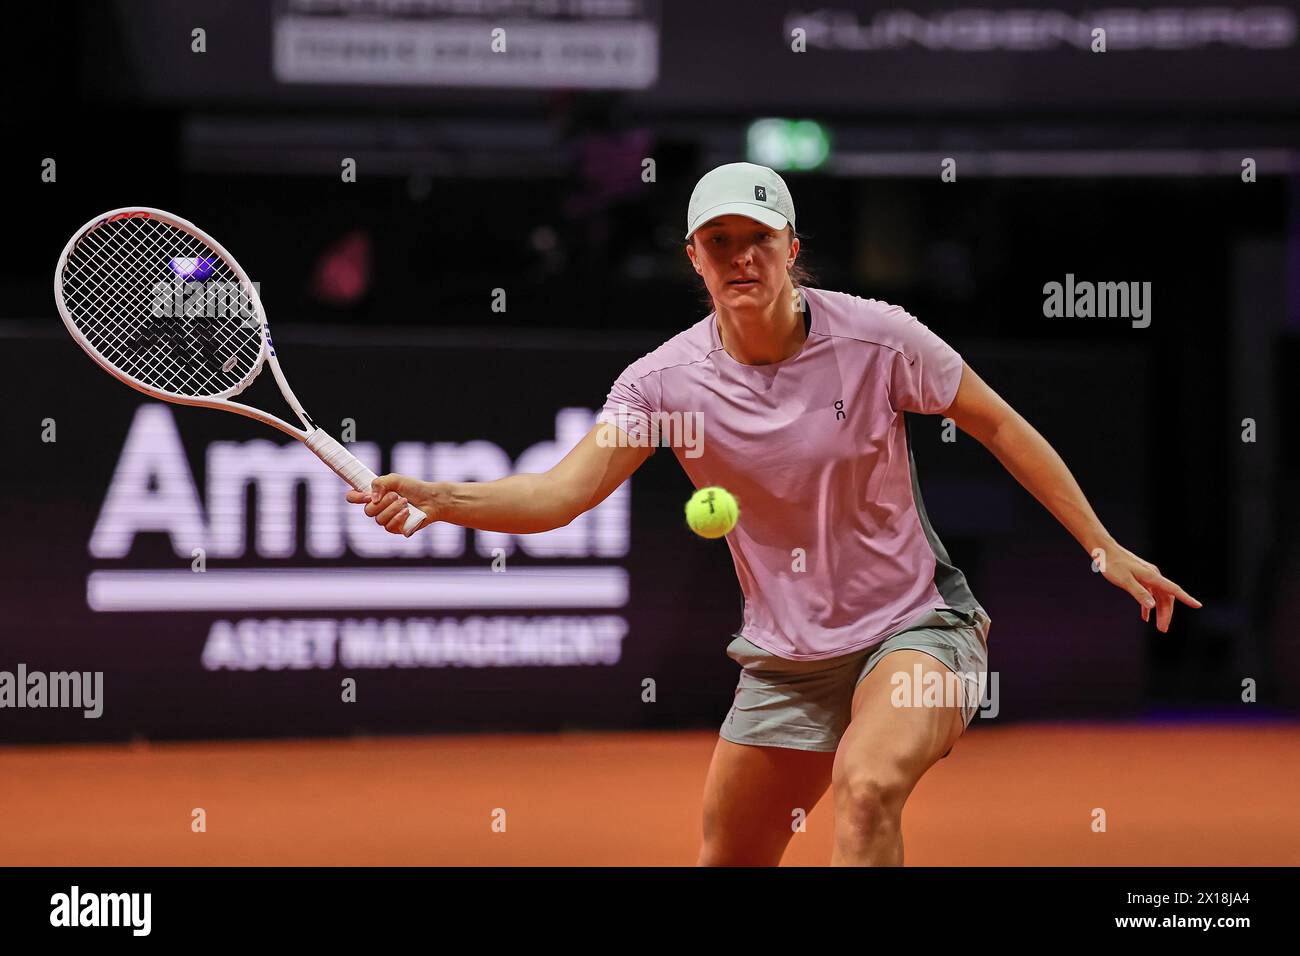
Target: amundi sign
154, 490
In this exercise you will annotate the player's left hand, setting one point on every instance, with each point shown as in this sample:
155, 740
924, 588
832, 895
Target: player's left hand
1143, 580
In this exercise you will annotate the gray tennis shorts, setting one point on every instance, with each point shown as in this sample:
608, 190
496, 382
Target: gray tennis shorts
806, 705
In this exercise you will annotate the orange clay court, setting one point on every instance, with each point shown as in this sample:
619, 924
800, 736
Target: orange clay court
1180, 795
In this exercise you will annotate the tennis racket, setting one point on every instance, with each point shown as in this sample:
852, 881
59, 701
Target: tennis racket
163, 307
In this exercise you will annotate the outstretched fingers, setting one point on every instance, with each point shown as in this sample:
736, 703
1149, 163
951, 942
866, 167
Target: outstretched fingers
1166, 594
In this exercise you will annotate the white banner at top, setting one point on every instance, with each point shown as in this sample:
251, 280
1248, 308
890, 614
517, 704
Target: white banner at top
595, 53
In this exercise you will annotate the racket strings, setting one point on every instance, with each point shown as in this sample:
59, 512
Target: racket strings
102, 320
164, 343
162, 307
121, 271
174, 355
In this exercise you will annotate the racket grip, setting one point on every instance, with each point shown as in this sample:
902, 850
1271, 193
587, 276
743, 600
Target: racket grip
348, 467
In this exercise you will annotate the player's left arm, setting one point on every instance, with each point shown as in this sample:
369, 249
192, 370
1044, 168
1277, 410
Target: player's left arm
981, 413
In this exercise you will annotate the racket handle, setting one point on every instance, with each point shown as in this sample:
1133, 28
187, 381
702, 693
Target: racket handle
348, 467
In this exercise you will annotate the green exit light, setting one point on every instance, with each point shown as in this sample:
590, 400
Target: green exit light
787, 144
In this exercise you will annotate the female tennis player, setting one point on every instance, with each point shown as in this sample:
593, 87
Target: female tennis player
848, 593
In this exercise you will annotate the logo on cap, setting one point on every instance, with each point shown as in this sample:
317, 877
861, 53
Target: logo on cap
760, 193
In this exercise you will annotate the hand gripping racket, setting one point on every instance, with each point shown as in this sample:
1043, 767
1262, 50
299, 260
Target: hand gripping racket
161, 305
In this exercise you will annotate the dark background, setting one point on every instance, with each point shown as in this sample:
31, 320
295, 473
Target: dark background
1123, 166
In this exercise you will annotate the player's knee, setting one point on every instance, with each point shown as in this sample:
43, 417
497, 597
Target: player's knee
867, 801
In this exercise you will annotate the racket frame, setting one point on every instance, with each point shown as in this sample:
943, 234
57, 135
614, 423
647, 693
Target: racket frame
311, 435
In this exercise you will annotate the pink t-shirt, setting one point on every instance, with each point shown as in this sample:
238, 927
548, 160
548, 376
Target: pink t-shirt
833, 549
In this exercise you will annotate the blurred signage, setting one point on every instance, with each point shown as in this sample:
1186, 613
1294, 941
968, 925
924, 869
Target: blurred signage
762, 56
593, 44
978, 29
153, 490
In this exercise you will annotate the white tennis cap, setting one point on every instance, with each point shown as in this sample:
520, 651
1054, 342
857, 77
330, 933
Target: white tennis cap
742, 189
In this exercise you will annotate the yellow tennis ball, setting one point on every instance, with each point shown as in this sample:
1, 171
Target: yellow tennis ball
712, 512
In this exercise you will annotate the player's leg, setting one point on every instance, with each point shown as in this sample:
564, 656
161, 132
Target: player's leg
751, 796
774, 753
883, 754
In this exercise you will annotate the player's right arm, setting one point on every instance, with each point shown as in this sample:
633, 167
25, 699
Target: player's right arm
516, 504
